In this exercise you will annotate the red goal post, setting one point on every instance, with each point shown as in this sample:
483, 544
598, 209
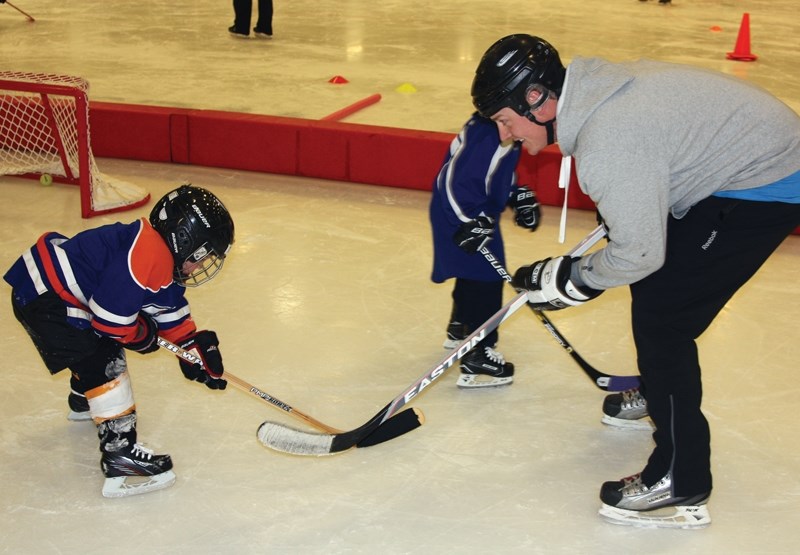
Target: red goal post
44, 130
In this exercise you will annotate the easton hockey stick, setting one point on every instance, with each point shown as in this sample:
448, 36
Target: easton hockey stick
404, 422
298, 442
606, 382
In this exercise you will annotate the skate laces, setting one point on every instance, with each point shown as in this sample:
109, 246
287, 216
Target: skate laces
633, 485
494, 356
632, 399
142, 452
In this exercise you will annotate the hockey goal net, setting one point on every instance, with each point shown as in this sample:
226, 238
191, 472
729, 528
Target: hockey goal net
44, 133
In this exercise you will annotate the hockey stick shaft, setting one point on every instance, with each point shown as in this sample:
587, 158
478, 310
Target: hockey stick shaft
606, 382
30, 17
244, 386
288, 440
402, 423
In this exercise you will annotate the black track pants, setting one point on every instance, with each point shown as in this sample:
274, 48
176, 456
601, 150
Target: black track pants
711, 253
474, 302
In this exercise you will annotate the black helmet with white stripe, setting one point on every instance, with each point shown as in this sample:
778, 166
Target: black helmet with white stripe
510, 69
198, 230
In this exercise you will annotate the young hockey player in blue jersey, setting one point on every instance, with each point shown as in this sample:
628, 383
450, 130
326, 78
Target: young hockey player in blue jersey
476, 182
84, 300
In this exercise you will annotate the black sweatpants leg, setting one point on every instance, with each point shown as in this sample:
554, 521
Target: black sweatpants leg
474, 302
711, 253
243, 9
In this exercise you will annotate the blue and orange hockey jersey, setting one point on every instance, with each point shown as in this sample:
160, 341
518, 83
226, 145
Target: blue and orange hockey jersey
106, 276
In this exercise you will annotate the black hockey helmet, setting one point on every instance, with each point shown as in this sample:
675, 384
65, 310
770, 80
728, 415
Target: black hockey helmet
510, 68
198, 231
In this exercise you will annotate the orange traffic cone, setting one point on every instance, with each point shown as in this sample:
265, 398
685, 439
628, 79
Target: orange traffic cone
741, 51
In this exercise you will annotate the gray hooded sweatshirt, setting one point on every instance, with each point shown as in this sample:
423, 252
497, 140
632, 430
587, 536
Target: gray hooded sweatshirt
653, 138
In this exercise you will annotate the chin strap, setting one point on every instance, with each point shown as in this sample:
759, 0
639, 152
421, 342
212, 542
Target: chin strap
548, 125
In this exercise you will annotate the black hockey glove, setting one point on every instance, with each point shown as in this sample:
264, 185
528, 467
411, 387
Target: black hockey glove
205, 345
527, 213
549, 285
475, 234
146, 335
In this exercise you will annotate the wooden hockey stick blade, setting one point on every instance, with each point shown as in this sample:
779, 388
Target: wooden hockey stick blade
293, 441
297, 442
604, 381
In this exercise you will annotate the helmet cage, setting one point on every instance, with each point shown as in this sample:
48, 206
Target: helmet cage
199, 267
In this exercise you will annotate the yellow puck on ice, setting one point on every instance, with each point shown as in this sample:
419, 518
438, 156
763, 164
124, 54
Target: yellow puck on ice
46, 179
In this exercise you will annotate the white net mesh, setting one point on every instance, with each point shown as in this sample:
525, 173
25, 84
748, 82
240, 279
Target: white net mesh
44, 129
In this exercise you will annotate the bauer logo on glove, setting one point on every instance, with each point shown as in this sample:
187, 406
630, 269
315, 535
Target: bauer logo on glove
475, 234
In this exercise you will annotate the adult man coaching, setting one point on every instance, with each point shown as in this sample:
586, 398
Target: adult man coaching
697, 176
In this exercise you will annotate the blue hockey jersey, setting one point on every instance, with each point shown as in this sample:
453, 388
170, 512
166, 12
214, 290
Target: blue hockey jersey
106, 276
477, 177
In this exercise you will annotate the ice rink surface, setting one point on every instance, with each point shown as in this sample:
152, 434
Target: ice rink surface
326, 303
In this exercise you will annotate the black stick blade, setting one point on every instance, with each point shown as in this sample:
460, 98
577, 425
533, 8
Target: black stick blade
397, 425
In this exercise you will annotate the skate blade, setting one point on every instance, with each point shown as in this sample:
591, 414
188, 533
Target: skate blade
451, 344
476, 381
124, 486
639, 424
680, 516
79, 416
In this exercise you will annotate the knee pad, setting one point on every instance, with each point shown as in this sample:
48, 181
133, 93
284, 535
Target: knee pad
111, 400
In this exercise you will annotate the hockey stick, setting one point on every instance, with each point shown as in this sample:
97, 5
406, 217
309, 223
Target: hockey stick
30, 18
606, 382
404, 422
297, 442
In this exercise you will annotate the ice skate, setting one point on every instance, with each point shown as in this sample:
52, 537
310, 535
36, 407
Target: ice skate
629, 502
484, 367
456, 333
129, 467
78, 407
627, 409
134, 470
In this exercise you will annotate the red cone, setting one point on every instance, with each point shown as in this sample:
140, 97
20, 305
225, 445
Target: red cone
338, 80
741, 51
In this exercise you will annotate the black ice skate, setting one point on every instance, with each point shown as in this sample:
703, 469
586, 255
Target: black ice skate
627, 409
484, 367
456, 333
629, 502
135, 469
78, 407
